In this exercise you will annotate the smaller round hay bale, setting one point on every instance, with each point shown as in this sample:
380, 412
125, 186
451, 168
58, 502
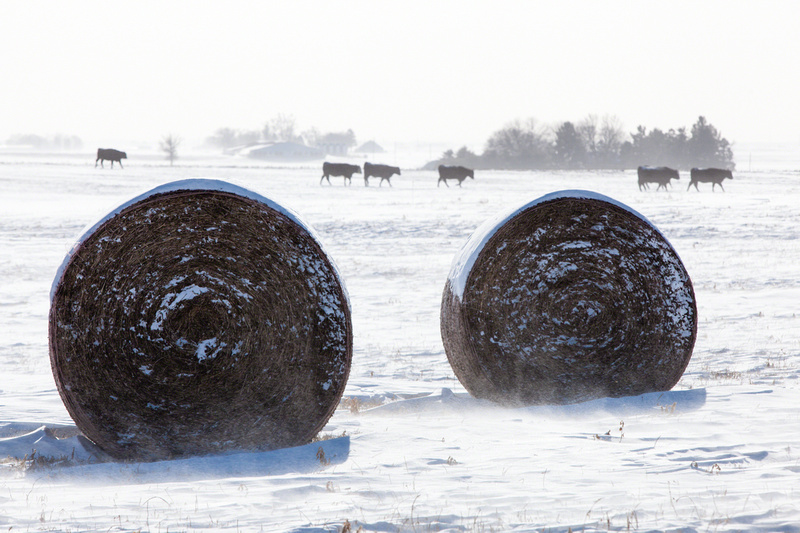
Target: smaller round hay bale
571, 297
199, 317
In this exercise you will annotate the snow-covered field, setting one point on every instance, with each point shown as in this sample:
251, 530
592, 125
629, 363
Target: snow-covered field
721, 452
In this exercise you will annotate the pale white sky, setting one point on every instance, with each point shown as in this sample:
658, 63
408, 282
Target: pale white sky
395, 71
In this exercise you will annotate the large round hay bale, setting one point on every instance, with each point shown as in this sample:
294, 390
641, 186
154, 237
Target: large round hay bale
199, 318
571, 297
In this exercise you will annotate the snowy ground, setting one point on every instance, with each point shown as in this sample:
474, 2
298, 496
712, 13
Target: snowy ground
721, 452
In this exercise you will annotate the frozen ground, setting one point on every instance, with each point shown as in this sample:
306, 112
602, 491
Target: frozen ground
721, 452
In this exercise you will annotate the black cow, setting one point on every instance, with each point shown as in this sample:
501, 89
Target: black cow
345, 170
454, 173
708, 175
109, 154
384, 172
660, 175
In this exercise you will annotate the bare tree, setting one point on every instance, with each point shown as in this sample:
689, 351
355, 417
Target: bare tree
311, 136
169, 145
610, 139
266, 133
587, 129
282, 128
520, 144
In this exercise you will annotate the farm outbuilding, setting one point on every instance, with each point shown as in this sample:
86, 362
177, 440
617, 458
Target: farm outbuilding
285, 151
370, 147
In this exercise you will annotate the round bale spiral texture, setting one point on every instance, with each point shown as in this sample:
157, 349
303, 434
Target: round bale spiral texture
199, 318
572, 297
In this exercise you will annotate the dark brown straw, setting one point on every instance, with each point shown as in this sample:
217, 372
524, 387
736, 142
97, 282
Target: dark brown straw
571, 299
198, 322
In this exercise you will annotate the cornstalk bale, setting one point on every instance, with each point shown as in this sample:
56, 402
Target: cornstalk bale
199, 318
571, 297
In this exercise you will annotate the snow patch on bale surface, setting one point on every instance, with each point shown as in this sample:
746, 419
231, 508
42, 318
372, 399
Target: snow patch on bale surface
198, 318
570, 297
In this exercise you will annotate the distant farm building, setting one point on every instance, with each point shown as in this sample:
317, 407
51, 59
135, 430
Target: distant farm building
333, 148
282, 151
336, 143
370, 147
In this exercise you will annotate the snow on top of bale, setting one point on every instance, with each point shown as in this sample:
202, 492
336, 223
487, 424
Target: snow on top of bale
465, 258
190, 184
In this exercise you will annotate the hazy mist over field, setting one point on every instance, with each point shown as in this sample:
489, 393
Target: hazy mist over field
129, 73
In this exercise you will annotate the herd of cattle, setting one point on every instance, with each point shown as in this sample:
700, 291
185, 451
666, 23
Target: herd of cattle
664, 175
346, 171
385, 172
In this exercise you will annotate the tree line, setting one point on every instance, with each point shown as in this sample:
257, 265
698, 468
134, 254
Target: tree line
39, 142
595, 143
281, 128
